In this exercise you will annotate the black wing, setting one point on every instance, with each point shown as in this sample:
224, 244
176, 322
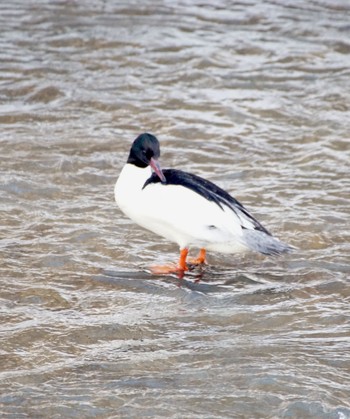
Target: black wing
208, 190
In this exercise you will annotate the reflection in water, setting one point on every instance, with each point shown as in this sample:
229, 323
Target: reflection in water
253, 96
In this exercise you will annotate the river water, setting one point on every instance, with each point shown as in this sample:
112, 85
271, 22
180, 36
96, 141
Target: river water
254, 96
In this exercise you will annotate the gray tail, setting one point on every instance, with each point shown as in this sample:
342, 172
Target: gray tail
263, 243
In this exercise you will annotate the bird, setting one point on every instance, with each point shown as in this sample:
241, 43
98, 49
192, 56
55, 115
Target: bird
187, 209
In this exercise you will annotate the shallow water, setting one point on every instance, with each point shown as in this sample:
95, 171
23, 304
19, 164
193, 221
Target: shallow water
252, 95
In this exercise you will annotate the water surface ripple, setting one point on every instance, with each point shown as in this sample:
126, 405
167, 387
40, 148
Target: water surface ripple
252, 95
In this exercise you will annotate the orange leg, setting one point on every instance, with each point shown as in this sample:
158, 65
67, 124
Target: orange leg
200, 260
182, 261
180, 268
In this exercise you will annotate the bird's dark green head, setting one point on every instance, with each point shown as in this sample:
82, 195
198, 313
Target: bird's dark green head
143, 149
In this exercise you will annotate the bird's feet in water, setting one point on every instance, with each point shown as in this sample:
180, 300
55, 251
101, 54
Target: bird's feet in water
199, 260
178, 268
171, 268
182, 266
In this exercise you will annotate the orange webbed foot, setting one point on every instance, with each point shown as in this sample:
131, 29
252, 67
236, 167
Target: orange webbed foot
178, 269
166, 269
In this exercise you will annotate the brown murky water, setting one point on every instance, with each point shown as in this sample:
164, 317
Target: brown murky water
252, 95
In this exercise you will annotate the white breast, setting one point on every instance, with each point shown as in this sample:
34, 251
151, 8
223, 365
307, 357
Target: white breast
177, 213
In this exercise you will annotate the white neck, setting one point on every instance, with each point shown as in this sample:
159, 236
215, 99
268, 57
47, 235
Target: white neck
131, 179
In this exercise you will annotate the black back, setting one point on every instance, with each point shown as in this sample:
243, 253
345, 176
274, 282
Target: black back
207, 189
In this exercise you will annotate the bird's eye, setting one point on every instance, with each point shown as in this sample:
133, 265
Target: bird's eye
148, 153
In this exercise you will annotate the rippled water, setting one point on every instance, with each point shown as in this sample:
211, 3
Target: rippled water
252, 95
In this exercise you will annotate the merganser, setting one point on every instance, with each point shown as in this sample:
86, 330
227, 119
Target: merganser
187, 209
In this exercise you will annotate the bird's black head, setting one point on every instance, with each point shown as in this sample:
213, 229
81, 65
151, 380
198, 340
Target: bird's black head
143, 149
145, 152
